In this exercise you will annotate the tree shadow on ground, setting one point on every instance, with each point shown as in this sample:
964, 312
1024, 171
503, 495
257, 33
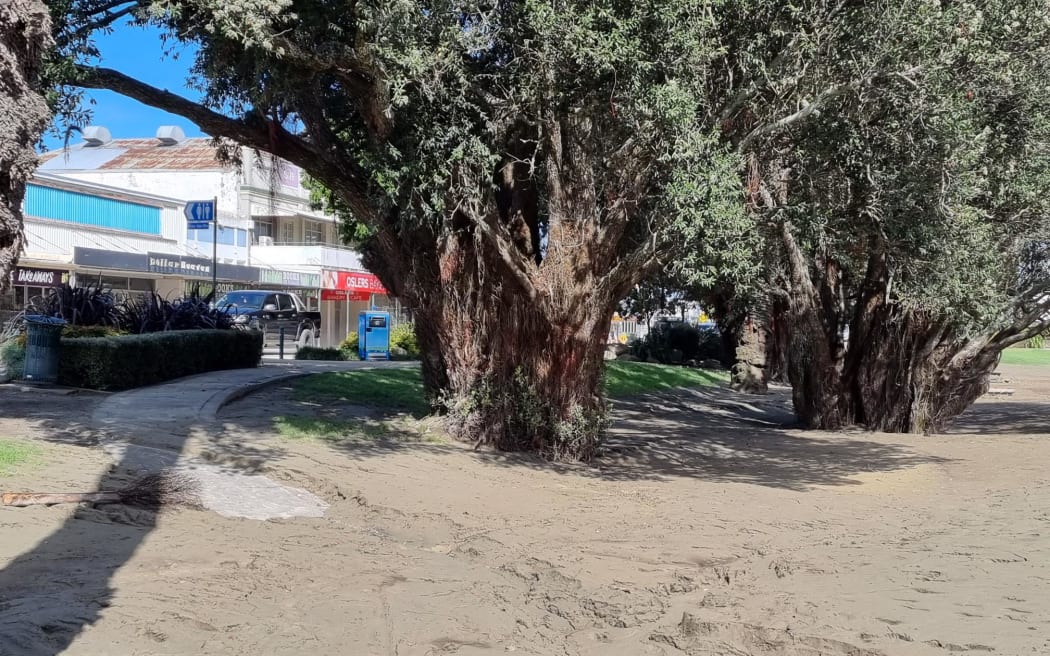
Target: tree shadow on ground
1004, 417
717, 435
50, 593
707, 433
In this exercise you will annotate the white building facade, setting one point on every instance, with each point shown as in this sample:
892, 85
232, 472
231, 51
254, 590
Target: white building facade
110, 211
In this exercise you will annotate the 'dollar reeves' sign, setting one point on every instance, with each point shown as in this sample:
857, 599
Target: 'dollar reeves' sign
174, 264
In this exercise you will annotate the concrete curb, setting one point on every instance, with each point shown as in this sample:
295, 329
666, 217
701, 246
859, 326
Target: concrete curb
210, 410
218, 401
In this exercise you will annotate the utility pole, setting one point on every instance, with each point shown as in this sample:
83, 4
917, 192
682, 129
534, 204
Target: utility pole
215, 251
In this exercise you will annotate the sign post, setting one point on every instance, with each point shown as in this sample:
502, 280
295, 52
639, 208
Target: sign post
215, 251
199, 213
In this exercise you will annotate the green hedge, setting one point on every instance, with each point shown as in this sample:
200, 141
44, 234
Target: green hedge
127, 361
313, 353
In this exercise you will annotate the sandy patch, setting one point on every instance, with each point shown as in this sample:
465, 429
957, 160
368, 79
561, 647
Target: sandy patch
709, 528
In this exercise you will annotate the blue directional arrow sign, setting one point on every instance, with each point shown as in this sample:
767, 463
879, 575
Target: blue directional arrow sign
200, 211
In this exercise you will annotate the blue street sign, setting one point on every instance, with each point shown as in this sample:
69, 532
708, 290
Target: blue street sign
198, 225
200, 210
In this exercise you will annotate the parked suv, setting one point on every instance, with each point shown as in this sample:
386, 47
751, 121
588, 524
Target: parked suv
269, 311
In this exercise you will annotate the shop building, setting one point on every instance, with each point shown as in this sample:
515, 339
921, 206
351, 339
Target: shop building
110, 211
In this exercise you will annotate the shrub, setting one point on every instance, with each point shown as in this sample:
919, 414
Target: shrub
404, 337
124, 362
149, 313
313, 353
91, 331
13, 357
145, 313
1036, 342
348, 347
80, 306
350, 343
674, 343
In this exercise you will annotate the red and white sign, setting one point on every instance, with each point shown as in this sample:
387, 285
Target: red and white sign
343, 295
349, 286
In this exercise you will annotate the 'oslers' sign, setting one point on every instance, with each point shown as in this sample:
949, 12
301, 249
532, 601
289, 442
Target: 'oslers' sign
29, 277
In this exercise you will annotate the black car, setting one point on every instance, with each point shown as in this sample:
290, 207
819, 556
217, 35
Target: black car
269, 311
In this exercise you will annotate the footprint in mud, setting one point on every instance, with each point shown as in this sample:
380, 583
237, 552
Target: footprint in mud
452, 645
699, 638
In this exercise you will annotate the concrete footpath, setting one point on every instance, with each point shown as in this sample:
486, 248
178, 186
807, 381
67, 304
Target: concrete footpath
161, 427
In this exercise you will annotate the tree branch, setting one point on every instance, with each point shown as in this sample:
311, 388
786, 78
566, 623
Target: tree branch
818, 103
342, 175
359, 80
102, 22
505, 251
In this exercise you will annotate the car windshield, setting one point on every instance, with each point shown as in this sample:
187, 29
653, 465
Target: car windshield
242, 300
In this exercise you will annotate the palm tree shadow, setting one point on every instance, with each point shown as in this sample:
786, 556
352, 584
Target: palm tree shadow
50, 593
53, 591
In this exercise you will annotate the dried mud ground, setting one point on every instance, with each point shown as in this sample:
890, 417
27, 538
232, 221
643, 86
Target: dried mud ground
708, 528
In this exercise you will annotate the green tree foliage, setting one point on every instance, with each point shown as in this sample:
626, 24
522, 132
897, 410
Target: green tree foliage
513, 169
510, 168
898, 212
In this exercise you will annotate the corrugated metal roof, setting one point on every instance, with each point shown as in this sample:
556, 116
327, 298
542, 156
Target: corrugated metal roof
134, 154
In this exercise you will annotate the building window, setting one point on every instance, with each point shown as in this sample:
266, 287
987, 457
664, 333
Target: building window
263, 229
121, 286
314, 232
287, 232
242, 238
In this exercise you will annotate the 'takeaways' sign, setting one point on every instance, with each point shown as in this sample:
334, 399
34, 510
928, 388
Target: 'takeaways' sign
30, 277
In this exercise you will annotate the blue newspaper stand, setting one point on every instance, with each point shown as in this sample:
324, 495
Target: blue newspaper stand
373, 335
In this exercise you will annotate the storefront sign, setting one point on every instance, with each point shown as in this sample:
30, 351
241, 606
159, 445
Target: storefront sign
102, 259
344, 295
30, 277
290, 278
161, 263
179, 265
353, 281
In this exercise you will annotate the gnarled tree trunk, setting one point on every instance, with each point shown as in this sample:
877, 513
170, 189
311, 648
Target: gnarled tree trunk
25, 34
513, 333
902, 370
510, 370
753, 338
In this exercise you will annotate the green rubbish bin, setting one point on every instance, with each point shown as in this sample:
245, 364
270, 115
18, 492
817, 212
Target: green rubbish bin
43, 340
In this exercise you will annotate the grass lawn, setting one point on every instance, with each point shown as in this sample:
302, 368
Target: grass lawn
14, 453
633, 378
330, 430
402, 389
1026, 356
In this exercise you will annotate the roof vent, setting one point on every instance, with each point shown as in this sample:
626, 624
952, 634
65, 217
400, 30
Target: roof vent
96, 135
169, 135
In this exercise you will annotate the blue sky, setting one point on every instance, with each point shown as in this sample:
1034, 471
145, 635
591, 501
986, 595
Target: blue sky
138, 52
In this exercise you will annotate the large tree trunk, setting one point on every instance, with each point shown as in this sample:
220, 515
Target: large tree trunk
509, 370
513, 339
776, 340
753, 338
25, 34
743, 342
749, 373
913, 376
902, 371
814, 359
